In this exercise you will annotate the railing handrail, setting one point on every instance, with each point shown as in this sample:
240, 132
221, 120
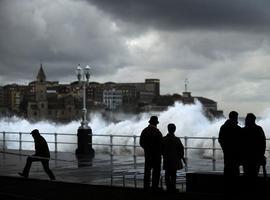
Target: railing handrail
133, 144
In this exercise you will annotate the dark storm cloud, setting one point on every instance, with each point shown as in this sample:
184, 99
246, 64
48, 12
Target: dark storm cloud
221, 46
61, 34
181, 14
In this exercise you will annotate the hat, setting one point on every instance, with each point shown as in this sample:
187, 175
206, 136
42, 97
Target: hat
35, 132
153, 120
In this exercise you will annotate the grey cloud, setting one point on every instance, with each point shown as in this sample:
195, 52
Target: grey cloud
213, 43
61, 34
182, 14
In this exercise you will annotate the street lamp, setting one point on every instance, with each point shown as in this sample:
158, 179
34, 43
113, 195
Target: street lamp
84, 133
83, 76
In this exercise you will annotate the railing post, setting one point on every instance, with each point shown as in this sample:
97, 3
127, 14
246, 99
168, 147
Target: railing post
111, 149
186, 153
4, 144
55, 143
55, 147
135, 180
134, 152
214, 153
4, 141
20, 142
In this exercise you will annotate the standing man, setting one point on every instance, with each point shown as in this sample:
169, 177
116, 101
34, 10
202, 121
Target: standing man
230, 140
42, 154
254, 146
173, 155
150, 141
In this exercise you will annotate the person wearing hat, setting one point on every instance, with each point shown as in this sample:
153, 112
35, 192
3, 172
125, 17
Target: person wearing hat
42, 154
150, 141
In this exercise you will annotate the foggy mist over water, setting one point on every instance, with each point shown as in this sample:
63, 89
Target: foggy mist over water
189, 121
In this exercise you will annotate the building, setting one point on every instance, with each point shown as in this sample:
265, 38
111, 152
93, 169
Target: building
12, 97
133, 95
38, 106
162, 102
43, 99
113, 99
1, 98
49, 100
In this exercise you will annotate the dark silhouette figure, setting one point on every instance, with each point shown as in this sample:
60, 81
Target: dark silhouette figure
150, 141
254, 147
230, 136
173, 155
42, 154
230, 140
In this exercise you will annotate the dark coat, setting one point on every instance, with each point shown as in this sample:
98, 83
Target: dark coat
255, 143
230, 139
41, 147
173, 152
150, 141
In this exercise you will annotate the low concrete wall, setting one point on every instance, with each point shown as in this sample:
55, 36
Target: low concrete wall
13, 188
214, 182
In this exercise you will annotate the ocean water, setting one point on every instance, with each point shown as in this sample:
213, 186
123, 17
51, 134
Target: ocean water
189, 120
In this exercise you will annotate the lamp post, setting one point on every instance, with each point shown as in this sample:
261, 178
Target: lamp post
84, 133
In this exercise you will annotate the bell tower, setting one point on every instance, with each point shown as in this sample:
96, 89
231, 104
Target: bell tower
41, 93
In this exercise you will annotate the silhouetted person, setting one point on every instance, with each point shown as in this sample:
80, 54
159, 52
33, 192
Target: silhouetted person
150, 141
254, 147
42, 154
173, 154
230, 139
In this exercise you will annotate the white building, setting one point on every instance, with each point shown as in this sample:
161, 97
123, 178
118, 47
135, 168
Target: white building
112, 98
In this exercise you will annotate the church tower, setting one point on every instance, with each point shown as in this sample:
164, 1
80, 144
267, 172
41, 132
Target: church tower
41, 93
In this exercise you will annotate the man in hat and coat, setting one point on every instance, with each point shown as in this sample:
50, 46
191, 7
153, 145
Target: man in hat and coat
150, 141
42, 154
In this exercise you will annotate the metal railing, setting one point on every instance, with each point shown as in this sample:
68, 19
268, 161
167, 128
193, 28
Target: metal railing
113, 145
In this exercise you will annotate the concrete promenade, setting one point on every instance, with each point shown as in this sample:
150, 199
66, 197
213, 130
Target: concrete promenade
73, 182
93, 181
66, 167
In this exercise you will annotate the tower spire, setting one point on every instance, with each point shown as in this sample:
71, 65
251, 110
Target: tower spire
186, 84
41, 77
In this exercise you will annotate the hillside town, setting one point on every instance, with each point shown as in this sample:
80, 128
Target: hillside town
49, 100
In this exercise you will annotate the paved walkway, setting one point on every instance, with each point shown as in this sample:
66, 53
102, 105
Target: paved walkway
66, 168
74, 182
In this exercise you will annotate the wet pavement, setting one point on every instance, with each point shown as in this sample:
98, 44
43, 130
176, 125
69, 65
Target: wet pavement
101, 170
95, 178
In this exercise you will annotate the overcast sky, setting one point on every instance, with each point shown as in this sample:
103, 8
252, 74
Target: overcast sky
222, 47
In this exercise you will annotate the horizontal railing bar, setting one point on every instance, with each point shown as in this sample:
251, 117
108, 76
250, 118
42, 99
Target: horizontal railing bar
204, 148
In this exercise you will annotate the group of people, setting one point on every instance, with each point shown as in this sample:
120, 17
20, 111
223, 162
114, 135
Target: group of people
155, 146
151, 140
242, 147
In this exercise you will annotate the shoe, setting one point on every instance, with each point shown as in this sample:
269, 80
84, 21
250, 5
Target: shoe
23, 175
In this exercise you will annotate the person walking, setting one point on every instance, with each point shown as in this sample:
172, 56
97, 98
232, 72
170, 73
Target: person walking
42, 154
173, 155
150, 141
